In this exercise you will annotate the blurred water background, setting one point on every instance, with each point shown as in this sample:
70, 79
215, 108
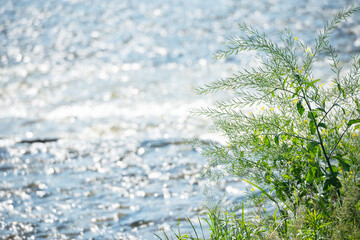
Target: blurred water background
94, 99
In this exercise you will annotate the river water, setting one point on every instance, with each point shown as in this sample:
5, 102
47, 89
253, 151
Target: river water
94, 103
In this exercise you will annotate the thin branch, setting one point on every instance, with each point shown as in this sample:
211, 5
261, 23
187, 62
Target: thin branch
342, 135
334, 104
319, 135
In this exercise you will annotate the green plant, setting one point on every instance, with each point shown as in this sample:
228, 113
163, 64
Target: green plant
347, 217
299, 147
300, 144
221, 225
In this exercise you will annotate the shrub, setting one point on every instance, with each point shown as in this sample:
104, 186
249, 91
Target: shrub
302, 142
300, 146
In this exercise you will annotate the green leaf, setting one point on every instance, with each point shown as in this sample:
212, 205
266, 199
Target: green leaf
311, 145
335, 170
300, 108
312, 127
263, 191
339, 86
353, 121
297, 90
332, 180
268, 179
277, 140
284, 82
323, 125
311, 175
311, 84
312, 114
343, 110
287, 177
323, 103
345, 165
342, 162
357, 105
320, 109
326, 184
267, 141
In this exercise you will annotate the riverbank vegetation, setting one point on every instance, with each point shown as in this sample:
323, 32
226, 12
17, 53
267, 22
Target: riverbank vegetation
298, 148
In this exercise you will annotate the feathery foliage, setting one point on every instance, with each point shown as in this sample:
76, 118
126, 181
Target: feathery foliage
301, 144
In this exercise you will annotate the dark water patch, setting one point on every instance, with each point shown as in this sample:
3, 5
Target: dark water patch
141, 223
31, 141
6, 167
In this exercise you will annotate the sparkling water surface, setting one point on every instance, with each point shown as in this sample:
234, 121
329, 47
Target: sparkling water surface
94, 104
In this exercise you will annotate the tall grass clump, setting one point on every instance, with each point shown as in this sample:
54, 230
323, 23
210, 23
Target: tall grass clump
300, 147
